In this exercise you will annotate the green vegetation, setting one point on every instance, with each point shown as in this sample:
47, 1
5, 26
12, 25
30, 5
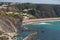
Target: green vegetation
33, 17
32, 12
13, 15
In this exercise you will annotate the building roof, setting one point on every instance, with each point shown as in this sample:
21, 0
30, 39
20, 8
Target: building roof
4, 5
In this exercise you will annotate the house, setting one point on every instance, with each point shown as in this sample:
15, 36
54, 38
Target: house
3, 6
26, 10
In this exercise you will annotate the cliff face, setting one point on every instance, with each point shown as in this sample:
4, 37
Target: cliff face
43, 10
46, 12
10, 24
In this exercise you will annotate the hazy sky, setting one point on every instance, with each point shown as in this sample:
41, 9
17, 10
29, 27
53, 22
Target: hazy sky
34, 1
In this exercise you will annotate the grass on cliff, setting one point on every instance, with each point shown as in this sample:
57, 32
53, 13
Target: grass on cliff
13, 15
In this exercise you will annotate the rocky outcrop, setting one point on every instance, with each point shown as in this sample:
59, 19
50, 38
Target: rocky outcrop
31, 36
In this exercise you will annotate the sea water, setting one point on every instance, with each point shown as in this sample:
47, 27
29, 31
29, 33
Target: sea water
45, 30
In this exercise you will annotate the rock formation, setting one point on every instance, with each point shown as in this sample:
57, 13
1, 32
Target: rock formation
10, 26
31, 36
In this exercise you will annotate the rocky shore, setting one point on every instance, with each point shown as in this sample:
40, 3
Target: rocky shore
31, 36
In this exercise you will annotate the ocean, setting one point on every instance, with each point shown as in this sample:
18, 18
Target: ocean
46, 30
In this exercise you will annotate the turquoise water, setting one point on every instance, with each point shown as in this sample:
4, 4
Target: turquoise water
23, 35
45, 30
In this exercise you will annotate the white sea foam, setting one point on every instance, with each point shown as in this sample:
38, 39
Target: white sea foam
39, 23
25, 27
44, 23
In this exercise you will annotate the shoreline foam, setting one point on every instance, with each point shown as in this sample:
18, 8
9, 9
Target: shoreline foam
41, 20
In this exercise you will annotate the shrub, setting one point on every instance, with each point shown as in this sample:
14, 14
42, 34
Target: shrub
33, 17
13, 15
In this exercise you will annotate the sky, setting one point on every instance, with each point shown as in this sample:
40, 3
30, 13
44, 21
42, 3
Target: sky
34, 1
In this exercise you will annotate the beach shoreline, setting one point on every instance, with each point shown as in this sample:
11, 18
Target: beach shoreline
40, 20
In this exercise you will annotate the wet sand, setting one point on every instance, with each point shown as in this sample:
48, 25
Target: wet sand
40, 20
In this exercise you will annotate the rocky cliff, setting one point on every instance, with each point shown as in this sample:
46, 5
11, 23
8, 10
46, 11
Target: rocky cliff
38, 10
46, 12
42, 10
10, 25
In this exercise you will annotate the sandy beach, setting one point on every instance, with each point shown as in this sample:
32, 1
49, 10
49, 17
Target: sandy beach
40, 20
